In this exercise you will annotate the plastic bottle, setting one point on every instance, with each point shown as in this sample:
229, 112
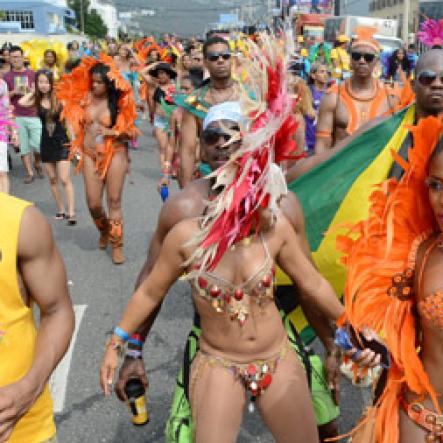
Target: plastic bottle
135, 392
164, 192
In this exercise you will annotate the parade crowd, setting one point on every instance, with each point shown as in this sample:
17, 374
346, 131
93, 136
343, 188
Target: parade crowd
310, 198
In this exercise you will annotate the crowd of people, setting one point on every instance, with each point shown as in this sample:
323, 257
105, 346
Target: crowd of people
239, 122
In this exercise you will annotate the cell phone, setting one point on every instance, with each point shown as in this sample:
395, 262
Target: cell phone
361, 342
347, 338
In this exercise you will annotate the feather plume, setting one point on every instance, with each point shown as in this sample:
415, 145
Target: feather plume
73, 91
431, 33
251, 180
385, 246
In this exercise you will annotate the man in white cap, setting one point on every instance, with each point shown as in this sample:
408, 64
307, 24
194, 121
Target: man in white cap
222, 121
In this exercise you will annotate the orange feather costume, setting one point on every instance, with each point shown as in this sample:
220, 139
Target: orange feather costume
73, 91
380, 258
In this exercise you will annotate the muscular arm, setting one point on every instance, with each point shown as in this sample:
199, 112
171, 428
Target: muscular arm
43, 274
314, 289
39, 256
294, 213
189, 133
325, 126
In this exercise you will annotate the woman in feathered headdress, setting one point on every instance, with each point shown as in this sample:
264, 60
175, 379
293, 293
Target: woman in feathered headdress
229, 256
98, 105
395, 285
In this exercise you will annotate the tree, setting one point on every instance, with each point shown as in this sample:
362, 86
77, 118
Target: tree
93, 23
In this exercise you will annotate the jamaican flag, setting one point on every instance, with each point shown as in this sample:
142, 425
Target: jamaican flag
337, 191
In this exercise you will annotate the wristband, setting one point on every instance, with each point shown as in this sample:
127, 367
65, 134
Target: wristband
133, 353
119, 332
133, 341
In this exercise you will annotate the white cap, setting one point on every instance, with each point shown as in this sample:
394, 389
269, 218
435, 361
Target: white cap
224, 111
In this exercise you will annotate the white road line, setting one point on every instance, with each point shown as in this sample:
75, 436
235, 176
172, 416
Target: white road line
59, 378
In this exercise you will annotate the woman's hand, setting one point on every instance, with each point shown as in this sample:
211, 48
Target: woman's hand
109, 365
367, 358
332, 366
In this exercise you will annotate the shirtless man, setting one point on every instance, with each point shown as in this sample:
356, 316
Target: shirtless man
221, 88
189, 203
428, 101
27, 253
357, 100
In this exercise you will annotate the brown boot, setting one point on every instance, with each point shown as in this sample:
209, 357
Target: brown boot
102, 224
116, 239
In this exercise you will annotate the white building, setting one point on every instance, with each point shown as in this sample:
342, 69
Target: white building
109, 15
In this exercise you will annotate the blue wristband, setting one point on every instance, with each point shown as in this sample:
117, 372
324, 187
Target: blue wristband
134, 341
121, 334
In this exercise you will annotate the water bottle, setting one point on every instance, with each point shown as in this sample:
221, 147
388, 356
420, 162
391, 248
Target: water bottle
135, 391
164, 192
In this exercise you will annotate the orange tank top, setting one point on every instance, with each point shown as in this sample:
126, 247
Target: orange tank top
17, 328
357, 116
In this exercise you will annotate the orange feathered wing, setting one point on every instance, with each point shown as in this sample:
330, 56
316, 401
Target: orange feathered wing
73, 91
380, 259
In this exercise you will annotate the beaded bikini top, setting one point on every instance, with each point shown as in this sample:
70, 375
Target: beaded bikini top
431, 307
228, 297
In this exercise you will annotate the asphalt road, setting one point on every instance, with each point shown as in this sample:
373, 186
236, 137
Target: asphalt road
100, 292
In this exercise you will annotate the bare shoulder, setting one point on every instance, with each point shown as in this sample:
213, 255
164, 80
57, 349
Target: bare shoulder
329, 100
292, 209
187, 203
35, 236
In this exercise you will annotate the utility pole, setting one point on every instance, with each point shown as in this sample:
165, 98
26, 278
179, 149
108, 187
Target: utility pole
337, 6
405, 24
82, 17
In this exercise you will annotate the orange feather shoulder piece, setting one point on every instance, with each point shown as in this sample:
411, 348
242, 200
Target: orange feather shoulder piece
74, 92
380, 258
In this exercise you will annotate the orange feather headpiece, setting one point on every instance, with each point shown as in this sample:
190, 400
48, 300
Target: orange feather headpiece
380, 259
365, 37
74, 92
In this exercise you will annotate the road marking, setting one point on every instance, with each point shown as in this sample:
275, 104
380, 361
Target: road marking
59, 378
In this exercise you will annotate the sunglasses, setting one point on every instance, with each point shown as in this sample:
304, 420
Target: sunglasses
426, 78
369, 58
214, 56
434, 184
212, 135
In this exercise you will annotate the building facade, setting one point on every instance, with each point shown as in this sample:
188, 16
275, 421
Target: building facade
393, 9
46, 17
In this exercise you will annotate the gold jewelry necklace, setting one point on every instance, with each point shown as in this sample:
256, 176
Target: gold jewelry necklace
359, 98
216, 102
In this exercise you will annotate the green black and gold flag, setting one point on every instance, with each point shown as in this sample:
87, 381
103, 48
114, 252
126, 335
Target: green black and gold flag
337, 192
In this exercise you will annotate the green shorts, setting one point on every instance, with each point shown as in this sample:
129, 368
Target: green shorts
30, 134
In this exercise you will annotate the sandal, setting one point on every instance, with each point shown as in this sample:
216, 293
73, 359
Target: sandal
72, 220
28, 179
60, 216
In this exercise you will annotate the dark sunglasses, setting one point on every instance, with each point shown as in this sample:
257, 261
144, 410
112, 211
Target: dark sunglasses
356, 56
212, 135
426, 78
214, 56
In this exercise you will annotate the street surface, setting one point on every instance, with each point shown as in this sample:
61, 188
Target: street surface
100, 292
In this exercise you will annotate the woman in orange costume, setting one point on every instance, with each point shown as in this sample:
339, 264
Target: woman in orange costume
395, 285
99, 107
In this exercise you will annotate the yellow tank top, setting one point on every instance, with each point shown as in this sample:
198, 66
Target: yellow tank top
17, 328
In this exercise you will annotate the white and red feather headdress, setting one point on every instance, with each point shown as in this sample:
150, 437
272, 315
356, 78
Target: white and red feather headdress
251, 179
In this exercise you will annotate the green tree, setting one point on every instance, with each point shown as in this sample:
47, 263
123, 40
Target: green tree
93, 23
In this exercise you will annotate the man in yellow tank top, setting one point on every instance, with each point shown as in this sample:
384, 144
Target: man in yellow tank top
31, 270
